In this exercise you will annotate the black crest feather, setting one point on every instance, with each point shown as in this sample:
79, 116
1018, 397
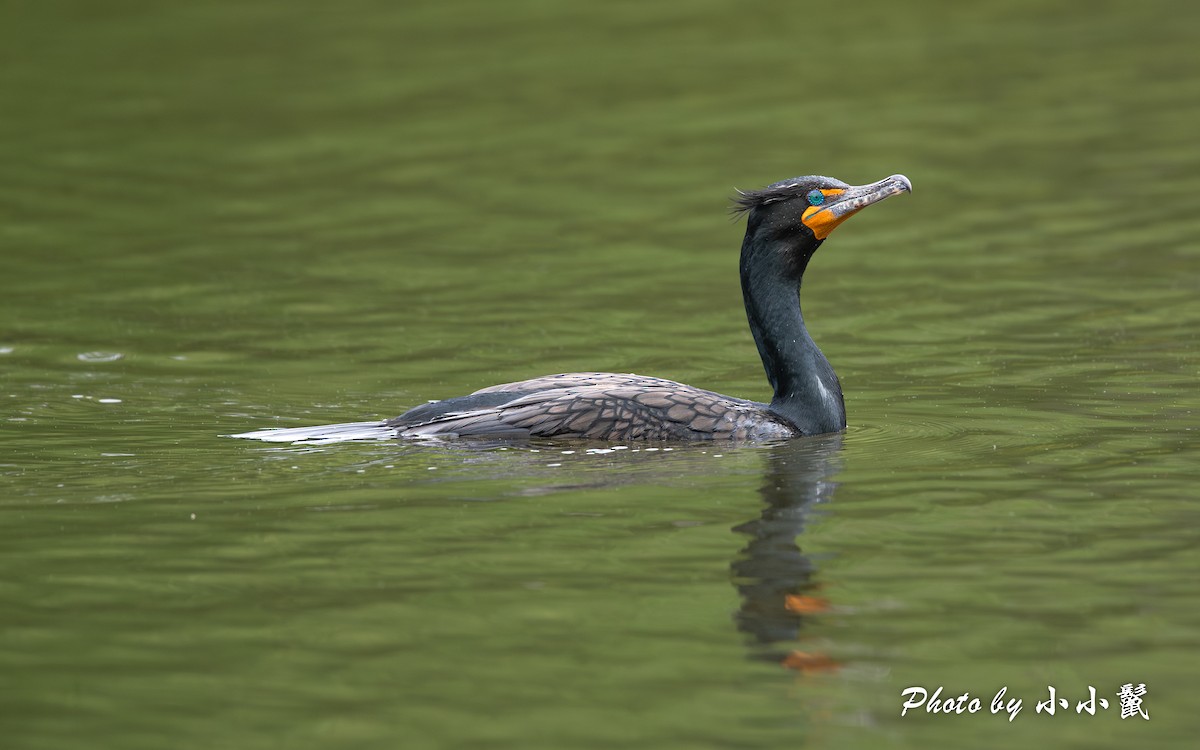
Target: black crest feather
748, 200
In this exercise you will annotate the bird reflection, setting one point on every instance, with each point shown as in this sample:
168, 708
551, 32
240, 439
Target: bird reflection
775, 579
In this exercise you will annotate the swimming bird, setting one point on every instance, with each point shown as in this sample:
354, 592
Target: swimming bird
785, 224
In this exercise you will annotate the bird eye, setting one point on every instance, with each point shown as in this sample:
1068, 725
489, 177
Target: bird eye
815, 197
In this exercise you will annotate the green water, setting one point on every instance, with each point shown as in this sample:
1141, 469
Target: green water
224, 216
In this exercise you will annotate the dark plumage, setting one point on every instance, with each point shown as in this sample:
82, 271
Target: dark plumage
597, 406
786, 223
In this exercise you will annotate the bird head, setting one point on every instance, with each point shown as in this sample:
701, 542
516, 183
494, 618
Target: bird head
787, 221
813, 205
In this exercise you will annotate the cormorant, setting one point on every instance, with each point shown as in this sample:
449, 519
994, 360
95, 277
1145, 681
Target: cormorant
786, 223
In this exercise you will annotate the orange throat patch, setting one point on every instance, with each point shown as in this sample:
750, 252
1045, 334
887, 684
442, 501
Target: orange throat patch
821, 220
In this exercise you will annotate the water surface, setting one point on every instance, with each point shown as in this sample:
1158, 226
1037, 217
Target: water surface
220, 217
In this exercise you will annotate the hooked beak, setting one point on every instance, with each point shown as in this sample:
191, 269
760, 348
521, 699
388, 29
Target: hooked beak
845, 203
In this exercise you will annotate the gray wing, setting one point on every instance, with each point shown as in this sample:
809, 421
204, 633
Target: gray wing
582, 380
663, 411
499, 395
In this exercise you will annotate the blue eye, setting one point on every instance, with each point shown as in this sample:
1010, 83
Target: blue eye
815, 197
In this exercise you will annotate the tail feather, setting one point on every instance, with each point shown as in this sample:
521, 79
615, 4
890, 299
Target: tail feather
328, 433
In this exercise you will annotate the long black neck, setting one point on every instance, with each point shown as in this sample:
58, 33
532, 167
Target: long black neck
807, 392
